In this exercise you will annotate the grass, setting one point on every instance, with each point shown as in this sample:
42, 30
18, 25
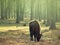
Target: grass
25, 30
12, 35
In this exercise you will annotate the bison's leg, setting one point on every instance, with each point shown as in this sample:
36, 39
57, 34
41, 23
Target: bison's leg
38, 39
31, 36
35, 36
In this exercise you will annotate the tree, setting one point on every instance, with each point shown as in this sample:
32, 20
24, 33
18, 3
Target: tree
2, 9
17, 12
32, 6
53, 15
22, 9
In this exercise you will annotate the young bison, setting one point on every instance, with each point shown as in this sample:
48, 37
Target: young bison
34, 31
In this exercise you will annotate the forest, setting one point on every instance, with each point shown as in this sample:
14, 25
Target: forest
15, 16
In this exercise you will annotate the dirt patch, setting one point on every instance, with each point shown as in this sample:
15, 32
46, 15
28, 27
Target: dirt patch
17, 41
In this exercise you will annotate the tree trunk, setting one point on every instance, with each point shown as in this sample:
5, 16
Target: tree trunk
52, 25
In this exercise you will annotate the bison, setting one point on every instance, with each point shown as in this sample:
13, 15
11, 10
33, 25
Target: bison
34, 31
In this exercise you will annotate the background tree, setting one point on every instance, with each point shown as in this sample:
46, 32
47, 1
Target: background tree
2, 9
32, 6
17, 12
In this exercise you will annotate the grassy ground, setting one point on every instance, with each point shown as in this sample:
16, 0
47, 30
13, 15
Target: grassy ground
12, 35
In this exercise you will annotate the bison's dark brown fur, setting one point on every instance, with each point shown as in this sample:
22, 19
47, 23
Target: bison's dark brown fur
34, 30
